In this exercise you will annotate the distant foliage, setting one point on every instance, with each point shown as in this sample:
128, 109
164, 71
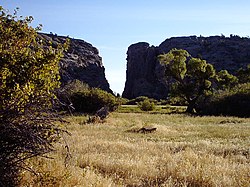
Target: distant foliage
139, 99
79, 97
29, 73
233, 102
146, 105
177, 101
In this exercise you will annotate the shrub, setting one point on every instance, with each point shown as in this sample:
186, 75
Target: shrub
146, 105
234, 102
93, 99
82, 98
66, 91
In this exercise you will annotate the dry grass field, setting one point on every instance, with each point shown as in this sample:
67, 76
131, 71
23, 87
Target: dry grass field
183, 151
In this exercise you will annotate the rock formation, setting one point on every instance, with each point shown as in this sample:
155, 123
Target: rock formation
81, 61
145, 76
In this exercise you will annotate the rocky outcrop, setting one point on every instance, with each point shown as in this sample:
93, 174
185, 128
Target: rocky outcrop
145, 76
81, 61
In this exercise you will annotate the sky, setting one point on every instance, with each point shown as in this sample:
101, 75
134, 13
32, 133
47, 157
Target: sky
113, 25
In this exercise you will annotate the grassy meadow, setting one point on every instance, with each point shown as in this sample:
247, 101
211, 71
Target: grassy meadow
183, 151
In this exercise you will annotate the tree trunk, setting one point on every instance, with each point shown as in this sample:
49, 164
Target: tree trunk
191, 106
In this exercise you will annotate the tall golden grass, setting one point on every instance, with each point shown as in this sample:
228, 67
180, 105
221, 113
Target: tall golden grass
184, 151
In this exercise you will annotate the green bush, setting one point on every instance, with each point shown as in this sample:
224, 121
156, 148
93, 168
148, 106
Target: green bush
146, 105
82, 98
234, 102
93, 99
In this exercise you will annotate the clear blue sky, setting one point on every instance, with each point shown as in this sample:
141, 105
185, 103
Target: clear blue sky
113, 25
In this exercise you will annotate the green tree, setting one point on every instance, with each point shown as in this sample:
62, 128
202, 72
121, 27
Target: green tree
191, 77
29, 73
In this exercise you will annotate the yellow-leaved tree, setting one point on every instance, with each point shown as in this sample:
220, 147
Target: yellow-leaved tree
29, 74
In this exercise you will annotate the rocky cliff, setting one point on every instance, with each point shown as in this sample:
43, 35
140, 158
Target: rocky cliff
81, 61
145, 76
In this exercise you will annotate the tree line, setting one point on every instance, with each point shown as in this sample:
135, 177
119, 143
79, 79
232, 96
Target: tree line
205, 90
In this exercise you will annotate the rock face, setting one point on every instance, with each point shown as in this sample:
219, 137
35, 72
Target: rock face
81, 61
145, 75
